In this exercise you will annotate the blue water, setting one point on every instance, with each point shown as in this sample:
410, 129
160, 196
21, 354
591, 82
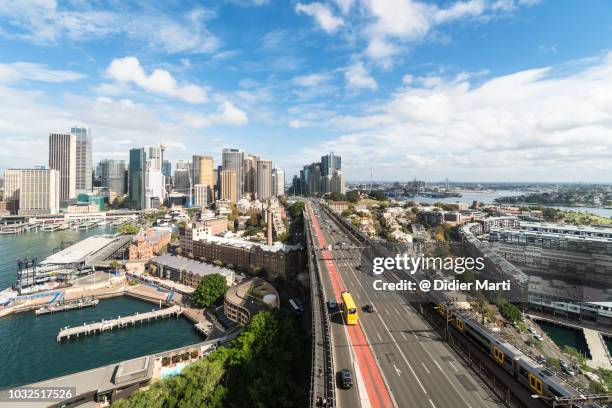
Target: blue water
28, 348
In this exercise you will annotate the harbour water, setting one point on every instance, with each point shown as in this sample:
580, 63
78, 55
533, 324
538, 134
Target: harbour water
565, 336
28, 348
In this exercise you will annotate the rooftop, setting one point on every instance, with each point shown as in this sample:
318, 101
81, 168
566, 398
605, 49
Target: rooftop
254, 295
240, 243
190, 265
78, 252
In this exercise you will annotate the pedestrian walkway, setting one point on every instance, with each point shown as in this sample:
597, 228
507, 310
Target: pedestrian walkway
600, 355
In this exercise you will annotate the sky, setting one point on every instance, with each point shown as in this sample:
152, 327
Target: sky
472, 90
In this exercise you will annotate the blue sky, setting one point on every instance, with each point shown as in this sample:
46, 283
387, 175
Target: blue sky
473, 90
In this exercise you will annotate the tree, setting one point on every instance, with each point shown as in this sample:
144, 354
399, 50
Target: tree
335, 196
210, 290
128, 229
353, 196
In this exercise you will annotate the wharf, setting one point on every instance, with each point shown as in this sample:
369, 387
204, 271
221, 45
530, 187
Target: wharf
120, 322
64, 306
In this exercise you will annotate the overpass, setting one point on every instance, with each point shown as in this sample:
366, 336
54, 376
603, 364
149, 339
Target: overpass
397, 358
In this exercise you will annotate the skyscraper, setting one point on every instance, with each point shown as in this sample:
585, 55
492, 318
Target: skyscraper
136, 184
233, 159
167, 169
33, 191
278, 182
250, 175
202, 195
62, 157
155, 191
83, 181
112, 175
264, 179
338, 184
329, 163
203, 170
228, 186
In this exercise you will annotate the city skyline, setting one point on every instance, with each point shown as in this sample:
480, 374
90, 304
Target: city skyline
406, 91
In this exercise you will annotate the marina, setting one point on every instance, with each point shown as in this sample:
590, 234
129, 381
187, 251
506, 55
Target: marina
106, 325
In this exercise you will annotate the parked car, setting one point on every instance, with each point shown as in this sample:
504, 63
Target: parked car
346, 379
568, 371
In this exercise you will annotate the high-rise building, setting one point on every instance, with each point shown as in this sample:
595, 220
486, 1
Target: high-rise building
250, 175
233, 159
278, 182
338, 184
296, 185
136, 184
314, 179
84, 165
203, 170
329, 163
33, 191
62, 157
264, 179
228, 186
181, 181
202, 195
112, 175
155, 186
167, 169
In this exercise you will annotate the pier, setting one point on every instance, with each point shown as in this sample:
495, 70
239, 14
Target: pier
64, 306
120, 322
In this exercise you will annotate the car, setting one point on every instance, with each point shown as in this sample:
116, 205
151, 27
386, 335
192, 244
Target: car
346, 379
541, 359
538, 337
368, 308
568, 371
332, 303
563, 364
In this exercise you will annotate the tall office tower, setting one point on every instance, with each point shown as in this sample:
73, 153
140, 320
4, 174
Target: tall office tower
62, 157
181, 181
155, 191
182, 165
278, 182
338, 184
136, 183
250, 175
83, 159
329, 163
202, 195
296, 185
33, 191
233, 159
314, 179
167, 169
326, 184
203, 170
218, 182
112, 175
229, 185
264, 179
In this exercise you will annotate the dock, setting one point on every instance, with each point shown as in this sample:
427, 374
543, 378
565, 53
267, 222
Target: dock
600, 355
118, 323
64, 306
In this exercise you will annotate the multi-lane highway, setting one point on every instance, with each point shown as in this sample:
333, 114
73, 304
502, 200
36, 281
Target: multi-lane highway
397, 357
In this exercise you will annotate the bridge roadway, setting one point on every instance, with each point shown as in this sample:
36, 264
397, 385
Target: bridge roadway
418, 367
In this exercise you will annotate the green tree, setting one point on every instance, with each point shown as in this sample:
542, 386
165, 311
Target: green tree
353, 196
128, 229
210, 290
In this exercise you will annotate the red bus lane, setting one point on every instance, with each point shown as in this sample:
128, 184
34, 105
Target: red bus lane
374, 384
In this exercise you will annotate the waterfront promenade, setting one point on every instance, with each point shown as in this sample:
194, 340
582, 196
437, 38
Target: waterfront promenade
120, 322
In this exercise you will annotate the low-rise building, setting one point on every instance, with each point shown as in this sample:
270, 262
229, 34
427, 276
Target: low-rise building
149, 242
249, 297
186, 271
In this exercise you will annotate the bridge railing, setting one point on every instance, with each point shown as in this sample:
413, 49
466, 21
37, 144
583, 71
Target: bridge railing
322, 374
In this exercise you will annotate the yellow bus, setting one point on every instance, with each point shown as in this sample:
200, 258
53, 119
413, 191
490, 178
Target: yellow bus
349, 308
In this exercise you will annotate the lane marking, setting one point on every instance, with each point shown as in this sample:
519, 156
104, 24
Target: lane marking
437, 365
426, 369
397, 370
454, 368
431, 402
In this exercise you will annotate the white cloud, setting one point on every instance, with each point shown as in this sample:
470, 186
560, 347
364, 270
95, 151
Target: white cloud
43, 22
358, 77
310, 80
322, 15
344, 5
160, 81
552, 123
228, 114
296, 123
17, 71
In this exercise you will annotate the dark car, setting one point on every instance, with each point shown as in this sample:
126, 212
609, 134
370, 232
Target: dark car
346, 379
368, 308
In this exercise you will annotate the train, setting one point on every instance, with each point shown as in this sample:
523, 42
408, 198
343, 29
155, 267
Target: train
533, 375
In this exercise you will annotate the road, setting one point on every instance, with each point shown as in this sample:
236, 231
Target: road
417, 367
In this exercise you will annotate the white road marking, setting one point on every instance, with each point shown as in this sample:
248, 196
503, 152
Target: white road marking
378, 334
454, 368
431, 402
404, 336
426, 369
437, 365
397, 370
